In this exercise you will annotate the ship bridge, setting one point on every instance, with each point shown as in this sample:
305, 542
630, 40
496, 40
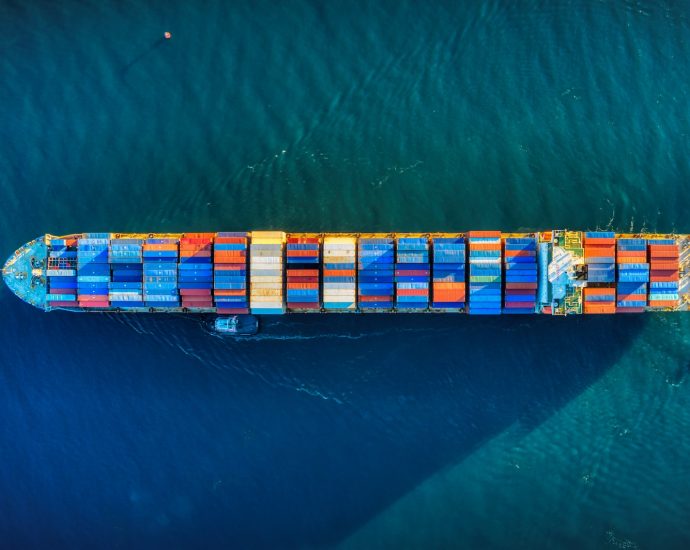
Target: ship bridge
25, 272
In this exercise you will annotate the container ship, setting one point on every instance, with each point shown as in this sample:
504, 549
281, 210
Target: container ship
557, 272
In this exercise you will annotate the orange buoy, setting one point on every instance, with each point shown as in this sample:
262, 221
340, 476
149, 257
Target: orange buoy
167, 35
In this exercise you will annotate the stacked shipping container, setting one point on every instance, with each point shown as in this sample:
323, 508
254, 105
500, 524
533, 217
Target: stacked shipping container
633, 275
520, 259
412, 272
266, 272
664, 257
339, 273
448, 273
303, 263
485, 272
230, 273
93, 270
375, 276
127, 275
599, 300
61, 273
161, 257
600, 256
195, 270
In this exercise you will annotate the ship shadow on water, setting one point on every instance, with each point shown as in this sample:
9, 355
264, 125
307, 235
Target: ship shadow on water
312, 428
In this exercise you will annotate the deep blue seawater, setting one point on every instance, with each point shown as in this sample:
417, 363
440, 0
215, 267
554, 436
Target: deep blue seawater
359, 432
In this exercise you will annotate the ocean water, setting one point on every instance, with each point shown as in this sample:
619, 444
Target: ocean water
336, 431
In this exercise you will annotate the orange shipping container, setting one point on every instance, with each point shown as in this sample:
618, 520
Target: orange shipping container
590, 241
302, 253
306, 286
241, 292
485, 246
160, 247
444, 285
663, 303
303, 272
600, 309
670, 266
338, 272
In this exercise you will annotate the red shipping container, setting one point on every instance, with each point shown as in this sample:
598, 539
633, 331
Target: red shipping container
412, 292
520, 305
630, 310
412, 273
230, 240
670, 266
304, 305
375, 298
663, 276
302, 280
63, 304
520, 292
201, 235
531, 286
200, 254
303, 272
231, 311
94, 304
303, 240
520, 253
195, 292
93, 297
230, 260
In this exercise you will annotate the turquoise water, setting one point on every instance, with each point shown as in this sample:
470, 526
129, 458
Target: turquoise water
353, 432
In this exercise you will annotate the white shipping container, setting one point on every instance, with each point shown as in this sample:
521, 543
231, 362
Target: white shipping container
337, 292
266, 279
261, 260
339, 286
276, 305
61, 272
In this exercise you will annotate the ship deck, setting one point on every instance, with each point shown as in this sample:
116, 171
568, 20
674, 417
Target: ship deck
24, 272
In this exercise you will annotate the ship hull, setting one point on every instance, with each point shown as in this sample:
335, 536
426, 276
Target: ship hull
556, 272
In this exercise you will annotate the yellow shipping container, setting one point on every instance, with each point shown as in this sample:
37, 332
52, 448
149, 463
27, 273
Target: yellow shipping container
276, 297
340, 240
